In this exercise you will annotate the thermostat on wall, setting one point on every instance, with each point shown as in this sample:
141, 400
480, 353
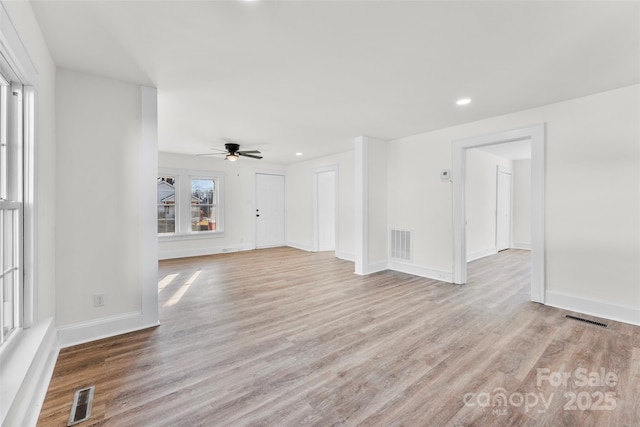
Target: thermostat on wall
445, 174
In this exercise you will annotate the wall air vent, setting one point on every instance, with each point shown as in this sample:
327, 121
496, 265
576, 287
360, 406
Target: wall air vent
401, 245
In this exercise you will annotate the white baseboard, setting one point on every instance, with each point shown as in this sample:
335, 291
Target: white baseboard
429, 273
346, 256
376, 267
186, 253
339, 254
521, 245
105, 327
595, 308
300, 246
481, 254
26, 371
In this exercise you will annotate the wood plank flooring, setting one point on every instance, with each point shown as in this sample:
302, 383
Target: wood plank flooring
281, 337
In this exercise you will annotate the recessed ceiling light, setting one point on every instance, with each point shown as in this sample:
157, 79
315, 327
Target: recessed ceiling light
298, 154
463, 101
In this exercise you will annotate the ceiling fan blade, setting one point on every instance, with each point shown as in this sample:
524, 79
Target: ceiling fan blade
212, 154
243, 154
249, 152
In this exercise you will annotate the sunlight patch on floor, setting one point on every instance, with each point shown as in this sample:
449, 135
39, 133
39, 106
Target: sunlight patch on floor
175, 298
166, 281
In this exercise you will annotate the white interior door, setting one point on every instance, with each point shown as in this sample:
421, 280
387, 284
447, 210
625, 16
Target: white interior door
327, 211
269, 210
503, 210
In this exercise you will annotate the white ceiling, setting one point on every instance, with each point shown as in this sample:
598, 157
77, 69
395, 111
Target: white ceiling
310, 76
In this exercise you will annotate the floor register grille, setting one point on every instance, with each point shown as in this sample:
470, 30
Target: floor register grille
592, 322
81, 409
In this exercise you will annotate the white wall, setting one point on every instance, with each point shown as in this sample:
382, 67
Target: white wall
300, 202
481, 202
419, 201
239, 213
101, 200
522, 204
592, 197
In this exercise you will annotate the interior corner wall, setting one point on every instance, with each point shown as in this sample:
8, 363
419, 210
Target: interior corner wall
98, 202
592, 197
239, 227
522, 204
481, 193
300, 204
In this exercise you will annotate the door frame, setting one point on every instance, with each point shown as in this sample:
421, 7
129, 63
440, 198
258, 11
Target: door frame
315, 245
257, 172
536, 134
507, 171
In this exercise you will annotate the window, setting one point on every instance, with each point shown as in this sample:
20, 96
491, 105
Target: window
166, 204
11, 207
190, 203
203, 206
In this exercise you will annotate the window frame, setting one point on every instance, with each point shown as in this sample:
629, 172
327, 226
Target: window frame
17, 195
183, 205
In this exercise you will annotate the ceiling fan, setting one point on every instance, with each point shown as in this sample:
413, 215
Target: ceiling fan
233, 152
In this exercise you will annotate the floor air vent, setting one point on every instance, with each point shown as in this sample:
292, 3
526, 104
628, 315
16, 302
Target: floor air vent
401, 245
81, 409
592, 322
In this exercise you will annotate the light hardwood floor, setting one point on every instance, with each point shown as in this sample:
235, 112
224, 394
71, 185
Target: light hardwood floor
281, 337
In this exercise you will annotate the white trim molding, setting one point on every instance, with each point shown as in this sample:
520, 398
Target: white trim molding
522, 245
595, 308
191, 252
28, 364
105, 327
416, 270
347, 256
300, 246
481, 254
535, 134
376, 267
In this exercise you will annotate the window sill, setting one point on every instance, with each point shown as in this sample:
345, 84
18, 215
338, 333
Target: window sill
191, 236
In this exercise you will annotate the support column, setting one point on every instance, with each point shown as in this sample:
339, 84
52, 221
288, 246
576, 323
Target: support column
362, 205
371, 243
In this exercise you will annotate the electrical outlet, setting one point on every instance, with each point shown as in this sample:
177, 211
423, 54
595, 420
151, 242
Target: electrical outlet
98, 300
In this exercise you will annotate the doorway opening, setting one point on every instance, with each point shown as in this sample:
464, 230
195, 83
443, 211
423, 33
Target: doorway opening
504, 208
535, 135
325, 208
